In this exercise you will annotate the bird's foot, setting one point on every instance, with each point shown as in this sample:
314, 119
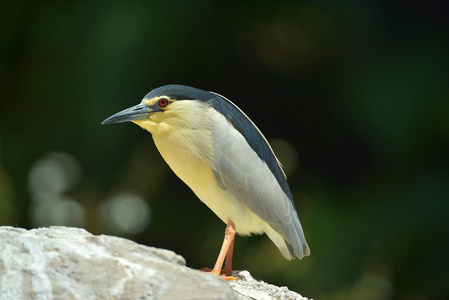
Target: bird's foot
225, 274
227, 278
226, 271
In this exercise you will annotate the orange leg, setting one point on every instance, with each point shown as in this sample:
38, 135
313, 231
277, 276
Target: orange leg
226, 252
227, 270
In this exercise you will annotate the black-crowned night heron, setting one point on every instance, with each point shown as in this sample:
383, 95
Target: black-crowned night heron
227, 162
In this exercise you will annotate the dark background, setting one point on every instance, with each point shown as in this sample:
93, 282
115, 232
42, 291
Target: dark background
353, 95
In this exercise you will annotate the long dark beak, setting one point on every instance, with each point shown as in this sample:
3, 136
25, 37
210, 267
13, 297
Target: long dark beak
138, 112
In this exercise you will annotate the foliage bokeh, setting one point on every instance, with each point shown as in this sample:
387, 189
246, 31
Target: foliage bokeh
354, 96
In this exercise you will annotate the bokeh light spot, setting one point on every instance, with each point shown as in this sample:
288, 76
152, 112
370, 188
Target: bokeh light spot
58, 211
125, 213
54, 174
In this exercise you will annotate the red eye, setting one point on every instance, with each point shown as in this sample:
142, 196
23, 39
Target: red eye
163, 102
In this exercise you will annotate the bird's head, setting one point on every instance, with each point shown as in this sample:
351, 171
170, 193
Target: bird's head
166, 108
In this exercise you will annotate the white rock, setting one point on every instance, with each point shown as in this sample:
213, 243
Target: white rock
249, 288
71, 263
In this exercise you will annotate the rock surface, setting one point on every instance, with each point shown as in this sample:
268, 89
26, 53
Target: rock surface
246, 287
71, 263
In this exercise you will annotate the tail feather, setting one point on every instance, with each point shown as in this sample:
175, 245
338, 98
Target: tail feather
289, 238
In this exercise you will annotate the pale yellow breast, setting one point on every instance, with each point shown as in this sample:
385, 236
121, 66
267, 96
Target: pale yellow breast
186, 158
191, 167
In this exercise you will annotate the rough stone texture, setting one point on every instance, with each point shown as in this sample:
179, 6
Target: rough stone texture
246, 287
71, 263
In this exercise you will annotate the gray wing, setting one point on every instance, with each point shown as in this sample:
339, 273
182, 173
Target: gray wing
240, 170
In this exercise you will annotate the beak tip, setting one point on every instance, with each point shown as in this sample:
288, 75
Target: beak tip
136, 112
106, 121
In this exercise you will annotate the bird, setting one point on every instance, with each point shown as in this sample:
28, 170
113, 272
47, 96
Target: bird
216, 150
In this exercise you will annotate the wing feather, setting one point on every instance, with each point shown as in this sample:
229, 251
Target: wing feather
240, 170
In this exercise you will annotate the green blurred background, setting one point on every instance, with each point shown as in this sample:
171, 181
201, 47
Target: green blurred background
353, 95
